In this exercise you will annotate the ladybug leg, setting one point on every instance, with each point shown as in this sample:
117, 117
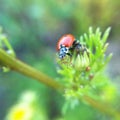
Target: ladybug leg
69, 54
76, 47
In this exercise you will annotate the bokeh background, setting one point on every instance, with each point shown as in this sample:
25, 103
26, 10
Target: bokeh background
33, 28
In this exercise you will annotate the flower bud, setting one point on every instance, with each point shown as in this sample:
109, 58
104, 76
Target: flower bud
81, 61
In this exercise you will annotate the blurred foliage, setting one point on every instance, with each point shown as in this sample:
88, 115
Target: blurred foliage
27, 108
39, 22
33, 27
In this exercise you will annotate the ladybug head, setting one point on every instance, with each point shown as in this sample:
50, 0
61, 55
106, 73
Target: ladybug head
63, 51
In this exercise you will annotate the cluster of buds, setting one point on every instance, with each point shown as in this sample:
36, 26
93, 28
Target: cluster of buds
80, 62
77, 58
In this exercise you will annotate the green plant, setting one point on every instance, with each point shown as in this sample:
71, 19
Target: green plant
83, 75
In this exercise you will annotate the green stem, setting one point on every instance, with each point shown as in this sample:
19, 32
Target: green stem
102, 107
17, 65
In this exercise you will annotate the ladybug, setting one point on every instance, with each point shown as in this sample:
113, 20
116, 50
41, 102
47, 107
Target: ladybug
67, 45
66, 40
63, 45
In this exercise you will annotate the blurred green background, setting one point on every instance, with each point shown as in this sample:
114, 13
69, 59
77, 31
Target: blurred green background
33, 28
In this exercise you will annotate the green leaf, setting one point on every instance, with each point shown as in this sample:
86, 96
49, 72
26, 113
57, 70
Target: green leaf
106, 34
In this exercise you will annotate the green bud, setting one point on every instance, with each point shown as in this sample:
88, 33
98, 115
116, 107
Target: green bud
77, 63
81, 61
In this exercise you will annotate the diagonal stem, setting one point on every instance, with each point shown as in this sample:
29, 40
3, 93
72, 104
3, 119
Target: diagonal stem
107, 110
17, 65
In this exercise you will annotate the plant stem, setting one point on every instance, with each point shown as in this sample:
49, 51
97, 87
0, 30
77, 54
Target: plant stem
17, 65
102, 107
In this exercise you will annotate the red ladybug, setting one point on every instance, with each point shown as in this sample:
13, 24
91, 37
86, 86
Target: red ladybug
67, 45
63, 45
66, 40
